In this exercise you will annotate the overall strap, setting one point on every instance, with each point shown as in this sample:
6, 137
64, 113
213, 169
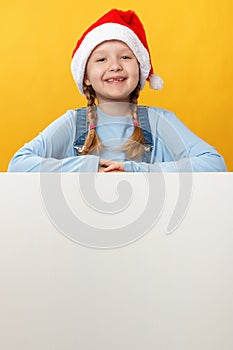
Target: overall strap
81, 130
146, 129
83, 125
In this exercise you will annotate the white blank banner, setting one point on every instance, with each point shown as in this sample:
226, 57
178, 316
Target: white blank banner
79, 269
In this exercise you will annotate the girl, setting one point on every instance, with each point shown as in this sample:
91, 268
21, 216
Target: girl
110, 65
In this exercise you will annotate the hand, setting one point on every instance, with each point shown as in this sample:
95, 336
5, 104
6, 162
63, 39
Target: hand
101, 169
110, 166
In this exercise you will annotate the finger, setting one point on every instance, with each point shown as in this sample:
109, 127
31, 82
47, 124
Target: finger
110, 168
105, 162
102, 161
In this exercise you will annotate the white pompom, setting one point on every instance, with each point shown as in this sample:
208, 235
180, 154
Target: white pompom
156, 82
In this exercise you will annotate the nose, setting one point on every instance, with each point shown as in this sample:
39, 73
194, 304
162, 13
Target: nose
115, 66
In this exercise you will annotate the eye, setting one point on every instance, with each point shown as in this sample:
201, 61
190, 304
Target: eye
125, 57
101, 59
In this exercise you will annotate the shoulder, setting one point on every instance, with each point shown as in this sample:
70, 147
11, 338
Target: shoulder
156, 112
65, 125
72, 115
68, 119
160, 116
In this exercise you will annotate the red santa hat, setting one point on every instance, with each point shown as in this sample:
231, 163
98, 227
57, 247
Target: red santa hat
115, 25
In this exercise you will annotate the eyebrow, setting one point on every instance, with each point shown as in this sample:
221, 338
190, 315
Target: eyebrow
103, 52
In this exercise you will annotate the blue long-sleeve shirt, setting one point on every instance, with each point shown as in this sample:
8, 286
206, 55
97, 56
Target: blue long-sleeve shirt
176, 148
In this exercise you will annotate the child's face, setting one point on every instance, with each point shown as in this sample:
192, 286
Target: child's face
113, 71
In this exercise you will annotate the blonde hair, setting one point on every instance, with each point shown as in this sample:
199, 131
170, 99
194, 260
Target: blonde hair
133, 146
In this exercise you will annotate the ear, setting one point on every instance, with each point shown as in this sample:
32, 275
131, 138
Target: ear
87, 81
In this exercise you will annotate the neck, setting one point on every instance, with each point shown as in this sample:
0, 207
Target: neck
116, 108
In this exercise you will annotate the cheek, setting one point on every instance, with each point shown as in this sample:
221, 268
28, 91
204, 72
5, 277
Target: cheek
93, 74
136, 70
136, 75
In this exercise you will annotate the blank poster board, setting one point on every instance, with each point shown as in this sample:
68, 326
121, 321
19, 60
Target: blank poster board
72, 278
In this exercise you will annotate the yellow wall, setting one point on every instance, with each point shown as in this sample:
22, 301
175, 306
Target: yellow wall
191, 46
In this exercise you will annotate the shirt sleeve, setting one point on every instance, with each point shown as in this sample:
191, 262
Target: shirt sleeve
177, 149
52, 151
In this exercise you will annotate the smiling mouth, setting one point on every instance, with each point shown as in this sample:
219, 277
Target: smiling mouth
115, 80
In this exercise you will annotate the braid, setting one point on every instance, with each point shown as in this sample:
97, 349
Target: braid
134, 101
134, 146
92, 142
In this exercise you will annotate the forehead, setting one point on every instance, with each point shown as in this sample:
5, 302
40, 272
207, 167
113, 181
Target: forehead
111, 45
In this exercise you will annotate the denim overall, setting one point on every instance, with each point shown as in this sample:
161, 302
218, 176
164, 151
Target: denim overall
83, 129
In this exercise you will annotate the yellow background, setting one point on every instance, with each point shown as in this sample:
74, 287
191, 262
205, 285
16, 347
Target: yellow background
191, 45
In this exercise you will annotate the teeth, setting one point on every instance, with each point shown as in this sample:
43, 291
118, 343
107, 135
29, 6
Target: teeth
111, 80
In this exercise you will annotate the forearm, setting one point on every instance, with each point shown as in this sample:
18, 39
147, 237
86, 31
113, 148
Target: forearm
205, 163
33, 163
